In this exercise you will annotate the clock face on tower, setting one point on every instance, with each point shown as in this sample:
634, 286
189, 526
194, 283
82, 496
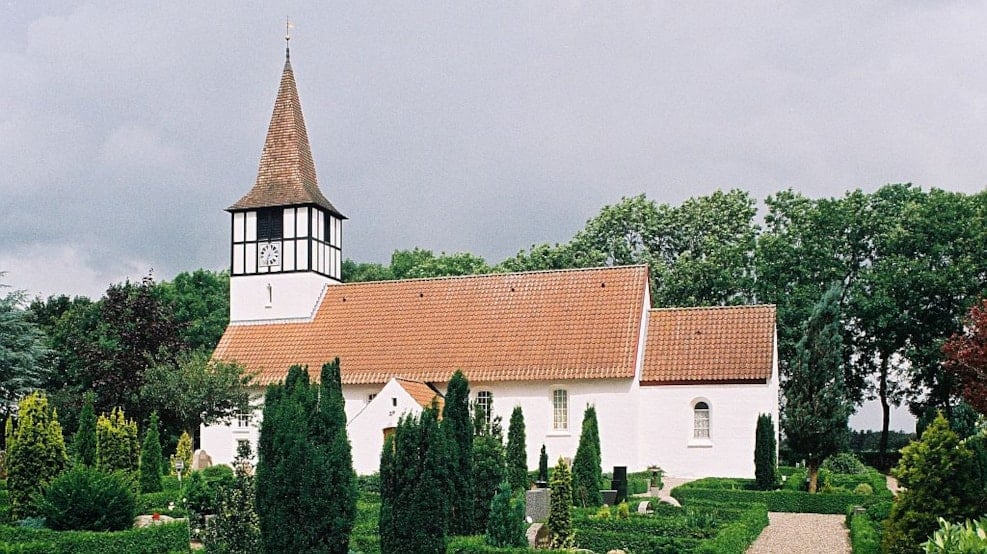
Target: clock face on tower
270, 254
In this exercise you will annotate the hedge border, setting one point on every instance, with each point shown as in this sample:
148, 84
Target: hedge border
777, 500
169, 537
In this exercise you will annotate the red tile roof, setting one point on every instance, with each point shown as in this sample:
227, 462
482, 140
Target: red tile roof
422, 393
286, 175
693, 345
551, 325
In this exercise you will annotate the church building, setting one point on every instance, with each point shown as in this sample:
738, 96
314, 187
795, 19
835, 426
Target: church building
679, 388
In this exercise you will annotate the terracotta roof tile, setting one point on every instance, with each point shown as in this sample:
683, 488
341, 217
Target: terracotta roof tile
422, 393
286, 175
570, 324
728, 343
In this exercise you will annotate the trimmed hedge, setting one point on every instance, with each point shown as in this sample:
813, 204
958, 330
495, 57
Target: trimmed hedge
476, 545
736, 537
734, 491
867, 528
171, 537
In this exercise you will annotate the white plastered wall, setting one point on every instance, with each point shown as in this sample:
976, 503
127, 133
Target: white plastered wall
366, 428
292, 296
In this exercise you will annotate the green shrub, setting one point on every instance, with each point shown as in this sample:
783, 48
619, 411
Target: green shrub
86, 499
863, 489
865, 532
637, 485
368, 483
844, 462
506, 526
734, 491
35, 453
737, 536
171, 537
159, 502
950, 538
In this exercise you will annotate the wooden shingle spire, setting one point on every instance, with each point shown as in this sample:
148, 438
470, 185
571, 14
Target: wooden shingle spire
286, 175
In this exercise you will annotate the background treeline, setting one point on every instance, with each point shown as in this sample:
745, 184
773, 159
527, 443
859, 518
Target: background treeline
910, 263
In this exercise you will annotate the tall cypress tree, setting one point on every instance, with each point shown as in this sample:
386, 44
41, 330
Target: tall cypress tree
458, 427
414, 486
517, 453
765, 453
586, 471
84, 440
150, 480
306, 488
488, 469
816, 406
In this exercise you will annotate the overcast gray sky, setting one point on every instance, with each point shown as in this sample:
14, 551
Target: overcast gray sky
127, 127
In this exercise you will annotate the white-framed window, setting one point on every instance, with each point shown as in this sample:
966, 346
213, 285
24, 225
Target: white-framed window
560, 410
484, 404
243, 420
700, 420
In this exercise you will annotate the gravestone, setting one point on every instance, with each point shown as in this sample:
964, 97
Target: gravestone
201, 460
537, 503
609, 497
619, 483
538, 536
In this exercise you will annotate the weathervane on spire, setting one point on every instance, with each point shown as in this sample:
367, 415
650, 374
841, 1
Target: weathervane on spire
287, 36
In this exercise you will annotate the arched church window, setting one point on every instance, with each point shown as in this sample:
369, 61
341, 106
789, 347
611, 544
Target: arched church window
700, 427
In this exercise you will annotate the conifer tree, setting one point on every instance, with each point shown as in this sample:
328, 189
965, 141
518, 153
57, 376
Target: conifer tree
938, 474
543, 465
816, 407
84, 440
236, 527
150, 480
35, 453
306, 488
414, 486
506, 526
183, 452
560, 511
117, 448
586, 471
458, 427
488, 468
517, 453
765, 453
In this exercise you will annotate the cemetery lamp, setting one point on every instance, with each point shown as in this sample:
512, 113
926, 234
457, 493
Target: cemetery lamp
179, 466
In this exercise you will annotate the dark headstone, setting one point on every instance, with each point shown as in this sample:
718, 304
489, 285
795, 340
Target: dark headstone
609, 497
619, 483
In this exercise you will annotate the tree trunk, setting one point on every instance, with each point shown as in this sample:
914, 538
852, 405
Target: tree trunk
813, 467
885, 415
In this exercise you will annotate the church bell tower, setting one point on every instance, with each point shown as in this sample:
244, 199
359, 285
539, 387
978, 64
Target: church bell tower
286, 237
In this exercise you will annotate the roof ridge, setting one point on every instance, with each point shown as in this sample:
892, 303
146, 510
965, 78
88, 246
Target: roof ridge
721, 307
502, 274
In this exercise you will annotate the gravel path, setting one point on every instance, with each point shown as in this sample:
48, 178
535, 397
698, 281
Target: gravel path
802, 533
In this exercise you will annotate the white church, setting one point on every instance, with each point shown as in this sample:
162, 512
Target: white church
679, 388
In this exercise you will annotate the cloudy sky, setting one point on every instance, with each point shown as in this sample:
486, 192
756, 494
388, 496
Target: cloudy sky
127, 127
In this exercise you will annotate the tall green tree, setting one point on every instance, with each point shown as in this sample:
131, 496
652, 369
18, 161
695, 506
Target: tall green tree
35, 453
150, 466
306, 495
84, 440
458, 426
22, 349
415, 486
200, 305
587, 473
816, 409
488, 467
560, 507
517, 451
765, 453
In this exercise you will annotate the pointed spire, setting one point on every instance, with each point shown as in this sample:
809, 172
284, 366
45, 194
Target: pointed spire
286, 175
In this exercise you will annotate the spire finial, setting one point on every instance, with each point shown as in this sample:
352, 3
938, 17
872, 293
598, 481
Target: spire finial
287, 37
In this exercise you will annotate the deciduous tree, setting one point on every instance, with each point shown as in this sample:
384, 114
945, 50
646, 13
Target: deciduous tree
966, 357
